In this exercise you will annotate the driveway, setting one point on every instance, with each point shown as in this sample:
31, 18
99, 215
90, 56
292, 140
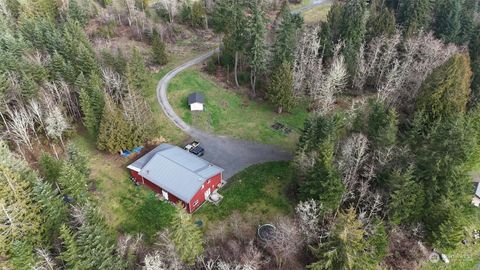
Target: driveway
231, 154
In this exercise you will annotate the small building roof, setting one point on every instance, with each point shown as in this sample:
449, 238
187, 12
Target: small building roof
175, 170
476, 186
196, 98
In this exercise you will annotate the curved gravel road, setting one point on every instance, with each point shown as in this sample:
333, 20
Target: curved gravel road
231, 154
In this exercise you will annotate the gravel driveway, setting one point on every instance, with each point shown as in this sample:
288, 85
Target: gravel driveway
231, 154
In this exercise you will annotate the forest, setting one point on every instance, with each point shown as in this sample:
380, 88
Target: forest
381, 174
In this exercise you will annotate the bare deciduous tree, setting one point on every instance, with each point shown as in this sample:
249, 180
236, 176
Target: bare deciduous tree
171, 6
45, 260
308, 216
326, 88
20, 125
114, 84
286, 243
155, 261
55, 124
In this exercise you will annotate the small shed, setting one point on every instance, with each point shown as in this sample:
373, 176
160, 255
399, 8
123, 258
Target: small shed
196, 101
476, 196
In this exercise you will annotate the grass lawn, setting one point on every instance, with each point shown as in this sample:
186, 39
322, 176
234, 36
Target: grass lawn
317, 14
258, 190
126, 207
233, 114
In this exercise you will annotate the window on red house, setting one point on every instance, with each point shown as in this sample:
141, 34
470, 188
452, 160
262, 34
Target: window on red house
195, 203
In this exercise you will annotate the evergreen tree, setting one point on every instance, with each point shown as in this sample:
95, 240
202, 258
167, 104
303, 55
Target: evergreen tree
76, 12
137, 73
381, 20
474, 48
57, 67
91, 102
382, 126
415, 15
115, 133
20, 219
257, 49
447, 20
345, 248
22, 256
280, 91
96, 243
284, 46
198, 14
71, 252
449, 232
73, 183
324, 183
405, 209
467, 21
186, 236
447, 89
78, 159
53, 208
445, 151
50, 167
159, 54
229, 18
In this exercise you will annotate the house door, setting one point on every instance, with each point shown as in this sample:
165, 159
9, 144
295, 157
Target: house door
165, 194
207, 193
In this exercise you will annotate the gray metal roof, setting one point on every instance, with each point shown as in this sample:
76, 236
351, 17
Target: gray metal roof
196, 97
175, 170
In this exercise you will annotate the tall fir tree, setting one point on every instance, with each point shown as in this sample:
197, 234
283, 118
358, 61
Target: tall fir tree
71, 252
137, 73
280, 90
405, 209
285, 37
186, 236
381, 20
257, 49
50, 167
324, 183
78, 159
115, 132
415, 15
20, 215
382, 126
446, 90
159, 54
447, 20
345, 248
474, 49
73, 183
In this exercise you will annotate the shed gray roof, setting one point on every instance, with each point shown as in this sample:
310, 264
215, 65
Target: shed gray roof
477, 189
175, 170
196, 97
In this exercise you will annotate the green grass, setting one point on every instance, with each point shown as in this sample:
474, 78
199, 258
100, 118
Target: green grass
316, 14
233, 114
258, 190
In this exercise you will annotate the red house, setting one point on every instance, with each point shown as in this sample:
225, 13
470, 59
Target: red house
178, 175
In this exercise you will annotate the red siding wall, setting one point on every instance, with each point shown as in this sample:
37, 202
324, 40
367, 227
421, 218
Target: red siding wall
139, 179
211, 183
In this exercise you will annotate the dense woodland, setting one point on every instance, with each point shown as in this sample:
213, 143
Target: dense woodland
382, 168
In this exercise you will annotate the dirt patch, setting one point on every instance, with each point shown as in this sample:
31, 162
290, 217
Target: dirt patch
224, 104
